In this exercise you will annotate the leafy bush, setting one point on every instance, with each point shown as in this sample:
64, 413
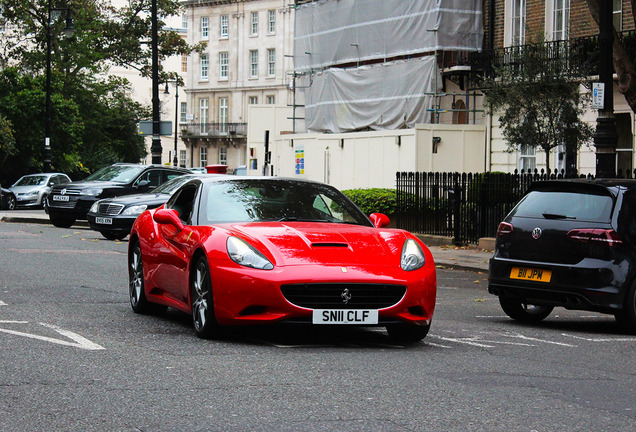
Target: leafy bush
374, 200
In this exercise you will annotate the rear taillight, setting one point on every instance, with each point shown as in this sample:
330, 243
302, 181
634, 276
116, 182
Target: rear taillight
503, 229
596, 235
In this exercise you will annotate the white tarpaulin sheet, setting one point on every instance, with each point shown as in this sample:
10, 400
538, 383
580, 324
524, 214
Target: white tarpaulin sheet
383, 96
337, 32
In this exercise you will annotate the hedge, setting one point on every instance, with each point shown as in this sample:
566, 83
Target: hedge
374, 200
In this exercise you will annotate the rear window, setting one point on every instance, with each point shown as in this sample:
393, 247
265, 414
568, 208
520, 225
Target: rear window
585, 206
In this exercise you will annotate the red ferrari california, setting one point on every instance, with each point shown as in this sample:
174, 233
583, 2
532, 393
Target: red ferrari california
261, 250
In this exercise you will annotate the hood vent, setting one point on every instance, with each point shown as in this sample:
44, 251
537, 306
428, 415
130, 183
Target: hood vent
342, 245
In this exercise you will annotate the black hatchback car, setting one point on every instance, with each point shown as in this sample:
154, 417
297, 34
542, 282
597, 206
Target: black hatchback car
568, 243
72, 201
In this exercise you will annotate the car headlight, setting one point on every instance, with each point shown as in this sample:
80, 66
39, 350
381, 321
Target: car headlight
92, 192
94, 207
412, 256
135, 210
244, 254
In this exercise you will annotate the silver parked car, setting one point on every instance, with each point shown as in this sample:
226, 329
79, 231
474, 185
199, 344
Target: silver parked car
31, 190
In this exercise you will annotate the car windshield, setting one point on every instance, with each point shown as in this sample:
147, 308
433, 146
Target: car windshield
116, 173
172, 185
36, 180
584, 205
277, 200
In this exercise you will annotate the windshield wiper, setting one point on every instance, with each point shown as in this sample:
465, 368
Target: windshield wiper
556, 216
297, 219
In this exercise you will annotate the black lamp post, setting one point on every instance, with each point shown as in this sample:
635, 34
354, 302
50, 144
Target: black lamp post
68, 32
155, 149
605, 137
175, 160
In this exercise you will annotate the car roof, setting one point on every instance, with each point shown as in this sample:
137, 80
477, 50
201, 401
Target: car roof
585, 182
210, 178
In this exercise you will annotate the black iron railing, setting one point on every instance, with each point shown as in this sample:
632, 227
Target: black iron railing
465, 206
195, 130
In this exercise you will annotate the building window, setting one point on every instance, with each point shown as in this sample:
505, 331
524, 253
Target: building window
271, 62
271, 23
184, 63
223, 112
271, 100
527, 158
203, 115
182, 158
184, 21
205, 65
617, 10
223, 155
183, 111
253, 100
224, 26
204, 27
560, 19
253, 63
223, 65
518, 23
203, 156
254, 23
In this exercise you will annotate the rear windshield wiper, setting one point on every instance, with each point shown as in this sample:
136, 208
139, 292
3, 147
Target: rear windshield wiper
556, 216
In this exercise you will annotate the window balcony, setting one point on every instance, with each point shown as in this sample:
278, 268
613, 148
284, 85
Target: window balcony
213, 130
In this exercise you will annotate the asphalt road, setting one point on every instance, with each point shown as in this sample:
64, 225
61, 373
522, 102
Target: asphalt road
74, 356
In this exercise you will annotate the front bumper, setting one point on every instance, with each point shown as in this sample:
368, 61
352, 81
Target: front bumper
591, 284
120, 224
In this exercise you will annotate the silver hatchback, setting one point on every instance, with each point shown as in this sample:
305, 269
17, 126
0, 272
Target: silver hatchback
31, 190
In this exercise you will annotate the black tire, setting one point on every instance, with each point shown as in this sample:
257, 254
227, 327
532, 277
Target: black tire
136, 290
626, 317
43, 203
205, 324
61, 221
407, 332
114, 235
11, 202
523, 312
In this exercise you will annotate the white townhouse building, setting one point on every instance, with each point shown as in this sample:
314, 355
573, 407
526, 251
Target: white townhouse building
248, 60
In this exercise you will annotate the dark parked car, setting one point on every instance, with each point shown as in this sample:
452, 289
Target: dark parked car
7, 199
69, 202
114, 217
568, 243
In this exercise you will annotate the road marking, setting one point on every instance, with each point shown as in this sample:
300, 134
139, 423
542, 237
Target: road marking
519, 336
435, 345
627, 339
12, 322
467, 341
78, 341
3, 303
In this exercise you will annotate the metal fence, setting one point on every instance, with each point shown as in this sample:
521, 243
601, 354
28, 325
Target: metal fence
465, 206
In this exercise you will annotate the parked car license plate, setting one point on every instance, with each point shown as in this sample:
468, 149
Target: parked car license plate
60, 197
344, 316
537, 275
104, 220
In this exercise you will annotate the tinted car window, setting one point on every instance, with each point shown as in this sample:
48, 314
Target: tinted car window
31, 181
268, 200
584, 205
116, 173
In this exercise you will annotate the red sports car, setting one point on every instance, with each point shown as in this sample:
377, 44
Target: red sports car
259, 250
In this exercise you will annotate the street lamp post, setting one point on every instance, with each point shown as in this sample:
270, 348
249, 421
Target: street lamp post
605, 137
68, 32
175, 160
155, 148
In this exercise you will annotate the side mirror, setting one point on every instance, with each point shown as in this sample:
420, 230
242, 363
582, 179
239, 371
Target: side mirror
168, 217
142, 184
379, 220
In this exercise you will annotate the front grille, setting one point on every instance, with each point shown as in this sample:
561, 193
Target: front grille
67, 191
332, 296
110, 209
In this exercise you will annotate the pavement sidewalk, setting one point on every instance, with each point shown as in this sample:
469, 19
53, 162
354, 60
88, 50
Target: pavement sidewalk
464, 258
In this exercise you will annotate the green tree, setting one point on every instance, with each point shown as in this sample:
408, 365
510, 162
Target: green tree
94, 120
539, 105
7, 141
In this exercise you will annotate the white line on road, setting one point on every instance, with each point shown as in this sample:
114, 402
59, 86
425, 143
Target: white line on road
79, 341
518, 336
467, 341
12, 322
627, 339
3, 303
